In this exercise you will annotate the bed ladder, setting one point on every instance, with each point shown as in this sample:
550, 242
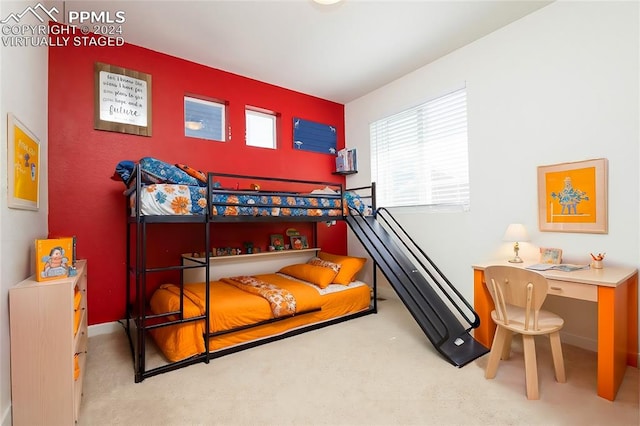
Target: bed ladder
435, 304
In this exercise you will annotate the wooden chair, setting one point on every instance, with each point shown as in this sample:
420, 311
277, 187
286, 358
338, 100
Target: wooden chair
518, 295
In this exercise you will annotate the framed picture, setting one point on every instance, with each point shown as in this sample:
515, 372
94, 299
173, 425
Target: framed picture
550, 255
316, 137
23, 175
277, 241
299, 242
122, 100
572, 197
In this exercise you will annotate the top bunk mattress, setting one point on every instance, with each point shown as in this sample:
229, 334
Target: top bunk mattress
178, 190
172, 199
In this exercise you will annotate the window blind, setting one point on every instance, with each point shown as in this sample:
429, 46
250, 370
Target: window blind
419, 157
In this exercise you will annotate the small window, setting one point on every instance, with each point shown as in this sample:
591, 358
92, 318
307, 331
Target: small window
204, 119
261, 129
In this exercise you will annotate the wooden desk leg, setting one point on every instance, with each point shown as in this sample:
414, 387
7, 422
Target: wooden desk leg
483, 305
617, 334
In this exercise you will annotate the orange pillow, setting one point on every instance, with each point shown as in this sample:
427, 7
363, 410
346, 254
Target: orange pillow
324, 263
193, 172
317, 275
349, 266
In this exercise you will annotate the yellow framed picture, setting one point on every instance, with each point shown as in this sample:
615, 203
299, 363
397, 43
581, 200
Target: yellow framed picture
23, 159
54, 258
572, 197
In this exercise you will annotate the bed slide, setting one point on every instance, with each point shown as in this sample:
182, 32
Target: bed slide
434, 303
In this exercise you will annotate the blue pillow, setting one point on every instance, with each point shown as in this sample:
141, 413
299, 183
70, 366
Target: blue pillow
124, 169
157, 171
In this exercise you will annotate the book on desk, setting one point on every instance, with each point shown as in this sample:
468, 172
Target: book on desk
565, 267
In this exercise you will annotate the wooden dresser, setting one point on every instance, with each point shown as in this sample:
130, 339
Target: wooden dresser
48, 325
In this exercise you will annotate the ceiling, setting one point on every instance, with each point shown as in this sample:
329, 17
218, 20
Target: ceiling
337, 52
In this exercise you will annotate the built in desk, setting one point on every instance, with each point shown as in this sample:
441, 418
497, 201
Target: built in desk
614, 289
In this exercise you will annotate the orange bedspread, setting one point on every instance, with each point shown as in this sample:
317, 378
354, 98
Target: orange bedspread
232, 307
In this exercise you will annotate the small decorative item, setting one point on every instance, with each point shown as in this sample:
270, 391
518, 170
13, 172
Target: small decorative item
597, 260
550, 255
277, 241
572, 197
24, 166
53, 258
248, 247
299, 242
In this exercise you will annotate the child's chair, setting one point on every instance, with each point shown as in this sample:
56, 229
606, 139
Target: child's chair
518, 295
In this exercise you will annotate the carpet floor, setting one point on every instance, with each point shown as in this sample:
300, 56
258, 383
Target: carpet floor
376, 370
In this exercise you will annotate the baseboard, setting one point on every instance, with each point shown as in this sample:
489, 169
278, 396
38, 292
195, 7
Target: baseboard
7, 420
579, 341
104, 328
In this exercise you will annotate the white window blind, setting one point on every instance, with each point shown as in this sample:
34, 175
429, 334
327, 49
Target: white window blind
419, 157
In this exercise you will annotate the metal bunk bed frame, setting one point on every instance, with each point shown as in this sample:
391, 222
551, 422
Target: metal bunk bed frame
139, 319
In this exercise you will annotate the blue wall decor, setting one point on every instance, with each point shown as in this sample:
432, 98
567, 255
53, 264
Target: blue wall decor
312, 136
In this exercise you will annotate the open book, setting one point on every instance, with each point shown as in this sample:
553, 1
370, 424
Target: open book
565, 267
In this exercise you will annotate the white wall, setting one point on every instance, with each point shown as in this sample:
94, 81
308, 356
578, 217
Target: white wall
558, 85
23, 92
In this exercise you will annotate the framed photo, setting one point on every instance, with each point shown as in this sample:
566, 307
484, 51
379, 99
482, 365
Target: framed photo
277, 241
122, 100
550, 255
299, 242
572, 197
23, 160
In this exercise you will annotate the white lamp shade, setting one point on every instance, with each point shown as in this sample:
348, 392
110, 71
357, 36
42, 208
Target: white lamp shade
516, 232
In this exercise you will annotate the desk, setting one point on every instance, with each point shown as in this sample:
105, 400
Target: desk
614, 289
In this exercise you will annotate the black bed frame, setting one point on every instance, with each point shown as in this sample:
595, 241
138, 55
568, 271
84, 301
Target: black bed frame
139, 318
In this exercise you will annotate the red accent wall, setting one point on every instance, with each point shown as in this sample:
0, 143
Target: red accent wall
85, 202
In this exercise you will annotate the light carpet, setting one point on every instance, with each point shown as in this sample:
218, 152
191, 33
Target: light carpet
376, 370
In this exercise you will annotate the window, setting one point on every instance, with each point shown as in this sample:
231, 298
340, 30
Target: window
419, 157
204, 119
261, 128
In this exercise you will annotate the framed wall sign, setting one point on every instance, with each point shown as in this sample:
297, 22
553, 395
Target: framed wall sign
23, 155
122, 100
572, 197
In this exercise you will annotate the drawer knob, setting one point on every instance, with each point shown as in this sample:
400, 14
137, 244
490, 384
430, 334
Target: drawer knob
556, 288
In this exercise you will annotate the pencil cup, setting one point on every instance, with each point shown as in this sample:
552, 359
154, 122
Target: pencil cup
597, 264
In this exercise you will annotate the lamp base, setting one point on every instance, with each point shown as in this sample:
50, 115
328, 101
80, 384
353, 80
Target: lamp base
515, 260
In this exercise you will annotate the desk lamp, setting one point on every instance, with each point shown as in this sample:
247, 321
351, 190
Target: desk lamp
515, 233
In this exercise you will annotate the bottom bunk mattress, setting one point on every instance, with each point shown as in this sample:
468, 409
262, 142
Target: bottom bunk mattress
239, 302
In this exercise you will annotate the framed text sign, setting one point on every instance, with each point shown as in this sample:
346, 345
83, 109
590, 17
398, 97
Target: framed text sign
24, 166
122, 100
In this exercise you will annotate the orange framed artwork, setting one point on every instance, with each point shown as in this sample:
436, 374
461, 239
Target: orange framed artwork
572, 197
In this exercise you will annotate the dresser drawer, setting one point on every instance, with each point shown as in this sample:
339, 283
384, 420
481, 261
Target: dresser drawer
574, 290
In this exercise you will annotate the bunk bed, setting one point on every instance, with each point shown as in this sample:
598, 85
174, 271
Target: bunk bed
197, 322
